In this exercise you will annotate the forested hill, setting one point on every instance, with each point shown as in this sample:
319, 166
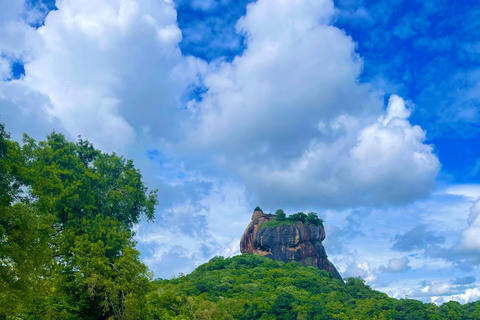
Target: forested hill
253, 287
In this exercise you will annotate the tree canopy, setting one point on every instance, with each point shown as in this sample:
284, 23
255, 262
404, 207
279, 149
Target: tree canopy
248, 286
66, 239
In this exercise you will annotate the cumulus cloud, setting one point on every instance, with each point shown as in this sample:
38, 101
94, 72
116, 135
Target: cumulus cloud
111, 69
439, 288
444, 291
290, 118
470, 295
397, 265
19, 39
362, 270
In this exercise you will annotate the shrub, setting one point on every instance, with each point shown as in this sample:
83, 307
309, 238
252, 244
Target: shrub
299, 216
313, 219
281, 216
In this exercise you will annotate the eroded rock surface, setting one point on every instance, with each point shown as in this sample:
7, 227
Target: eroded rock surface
299, 242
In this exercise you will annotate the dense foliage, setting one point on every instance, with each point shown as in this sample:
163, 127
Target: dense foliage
252, 287
66, 241
281, 218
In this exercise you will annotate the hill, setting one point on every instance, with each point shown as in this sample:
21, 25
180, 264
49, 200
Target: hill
254, 287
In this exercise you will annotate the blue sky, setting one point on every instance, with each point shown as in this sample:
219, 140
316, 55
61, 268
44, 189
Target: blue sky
366, 112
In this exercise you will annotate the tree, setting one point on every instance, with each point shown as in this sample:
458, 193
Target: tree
25, 251
299, 216
281, 216
76, 181
67, 213
257, 208
282, 307
111, 282
312, 218
96, 199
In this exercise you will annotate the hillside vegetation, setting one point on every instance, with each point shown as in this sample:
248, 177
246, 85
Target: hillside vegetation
253, 287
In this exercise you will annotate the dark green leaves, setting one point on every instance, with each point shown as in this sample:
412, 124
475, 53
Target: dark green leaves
280, 215
66, 217
260, 288
76, 181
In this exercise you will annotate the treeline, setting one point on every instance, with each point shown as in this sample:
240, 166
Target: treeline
253, 287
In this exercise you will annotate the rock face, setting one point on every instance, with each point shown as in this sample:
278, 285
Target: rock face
299, 242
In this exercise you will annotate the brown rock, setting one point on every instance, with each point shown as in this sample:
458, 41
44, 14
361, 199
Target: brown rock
299, 242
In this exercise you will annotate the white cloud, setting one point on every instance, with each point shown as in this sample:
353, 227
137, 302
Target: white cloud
397, 265
291, 119
463, 254
470, 295
288, 117
18, 39
470, 239
474, 212
109, 68
362, 270
440, 292
468, 190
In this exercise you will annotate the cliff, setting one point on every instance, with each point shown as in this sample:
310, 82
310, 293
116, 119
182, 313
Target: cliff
299, 242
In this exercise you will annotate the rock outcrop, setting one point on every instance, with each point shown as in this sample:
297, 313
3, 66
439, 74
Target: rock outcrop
299, 242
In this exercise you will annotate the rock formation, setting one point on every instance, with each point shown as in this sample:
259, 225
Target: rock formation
299, 242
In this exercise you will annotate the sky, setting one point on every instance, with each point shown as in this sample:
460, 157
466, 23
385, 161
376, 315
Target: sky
365, 112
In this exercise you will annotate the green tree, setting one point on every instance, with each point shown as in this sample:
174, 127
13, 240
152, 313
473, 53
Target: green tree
111, 282
282, 307
451, 310
67, 212
25, 252
76, 181
313, 218
299, 216
96, 198
281, 216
